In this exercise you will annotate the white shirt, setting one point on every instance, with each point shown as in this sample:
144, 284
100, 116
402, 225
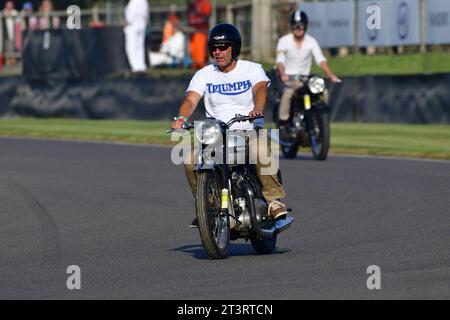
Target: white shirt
226, 94
137, 13
10, 20
298, 60
175, 46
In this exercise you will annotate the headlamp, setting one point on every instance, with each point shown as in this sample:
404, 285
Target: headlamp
207, 132
316, 85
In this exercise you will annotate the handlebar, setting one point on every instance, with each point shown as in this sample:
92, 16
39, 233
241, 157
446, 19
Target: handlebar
237, 118
305, 78
241, 118
300, 77
185, 126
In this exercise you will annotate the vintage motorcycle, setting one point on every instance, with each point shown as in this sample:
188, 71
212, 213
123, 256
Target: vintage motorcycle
229, 203
309, 120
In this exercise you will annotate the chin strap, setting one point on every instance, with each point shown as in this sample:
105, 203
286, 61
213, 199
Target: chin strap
231, 61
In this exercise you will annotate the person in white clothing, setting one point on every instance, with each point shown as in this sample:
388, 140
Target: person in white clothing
136, 19
172, 51
10, 16
295, 52
230, 86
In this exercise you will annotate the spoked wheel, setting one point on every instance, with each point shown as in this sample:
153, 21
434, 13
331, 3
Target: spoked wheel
289, 144
290, 139
214, 227
320, 142
290, 151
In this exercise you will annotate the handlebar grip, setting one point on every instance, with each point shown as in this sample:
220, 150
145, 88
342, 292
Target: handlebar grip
247, 118
186, 126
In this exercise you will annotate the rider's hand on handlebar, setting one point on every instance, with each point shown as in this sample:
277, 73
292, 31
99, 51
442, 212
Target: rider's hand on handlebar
178, 122
255, 112
335, 79
284, 77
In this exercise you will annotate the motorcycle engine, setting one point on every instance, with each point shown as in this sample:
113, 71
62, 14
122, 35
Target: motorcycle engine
244, 217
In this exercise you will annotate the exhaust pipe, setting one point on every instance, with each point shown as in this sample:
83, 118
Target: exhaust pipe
280, 225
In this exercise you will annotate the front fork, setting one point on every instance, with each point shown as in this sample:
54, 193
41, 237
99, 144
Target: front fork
308, 116
226, 203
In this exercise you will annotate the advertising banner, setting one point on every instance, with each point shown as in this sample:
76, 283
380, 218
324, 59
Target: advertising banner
331, 23
437, 30
389, 22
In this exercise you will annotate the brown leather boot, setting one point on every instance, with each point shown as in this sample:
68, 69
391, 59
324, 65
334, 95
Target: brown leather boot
277, 210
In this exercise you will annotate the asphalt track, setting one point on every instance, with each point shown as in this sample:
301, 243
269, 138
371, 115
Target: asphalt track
121, 213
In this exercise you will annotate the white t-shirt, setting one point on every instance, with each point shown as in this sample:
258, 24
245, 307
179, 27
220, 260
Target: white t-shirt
297, 61
226, 94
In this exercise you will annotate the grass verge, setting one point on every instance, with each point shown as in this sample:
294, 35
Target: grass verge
385, 64
400, 140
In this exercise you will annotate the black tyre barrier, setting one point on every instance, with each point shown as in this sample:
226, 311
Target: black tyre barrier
378, 99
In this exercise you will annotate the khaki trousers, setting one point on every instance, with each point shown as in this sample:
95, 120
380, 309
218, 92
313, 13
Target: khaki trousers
285, 104
289, 89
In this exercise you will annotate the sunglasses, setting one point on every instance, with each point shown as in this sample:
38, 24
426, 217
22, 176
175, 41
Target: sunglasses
298, 26
221, 47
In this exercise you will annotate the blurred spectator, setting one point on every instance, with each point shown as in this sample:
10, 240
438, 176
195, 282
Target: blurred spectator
137, 14
96, 22
28, 22
27, 19
172, 19
12, 22
172, 51
198, 18
46, 20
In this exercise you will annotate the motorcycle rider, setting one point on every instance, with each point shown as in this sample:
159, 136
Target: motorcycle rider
294, 57
249, 83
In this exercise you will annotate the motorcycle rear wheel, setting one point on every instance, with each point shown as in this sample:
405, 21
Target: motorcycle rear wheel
263, 246
214, 227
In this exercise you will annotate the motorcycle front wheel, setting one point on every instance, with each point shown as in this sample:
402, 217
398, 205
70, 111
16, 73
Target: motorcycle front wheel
214, 227
290, 144
290, 151
321, 144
